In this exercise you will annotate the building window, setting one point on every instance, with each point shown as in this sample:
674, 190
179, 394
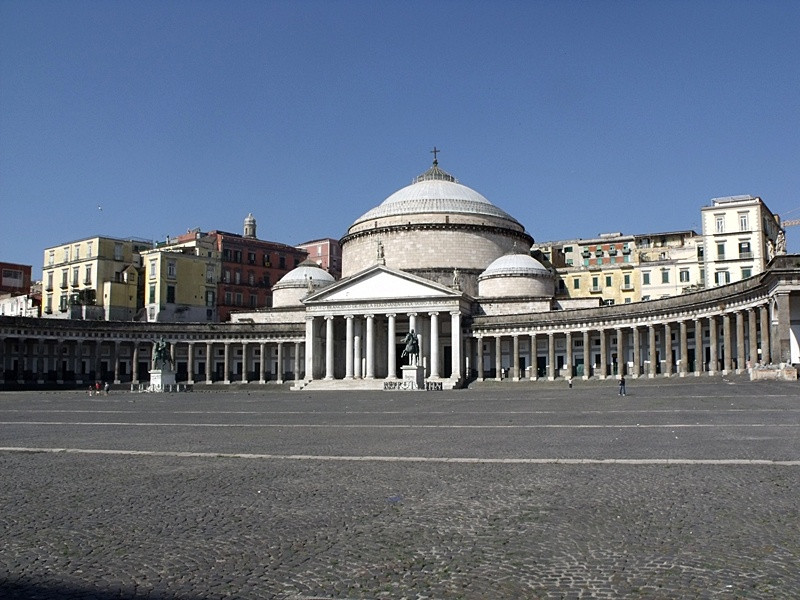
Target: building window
608, 280
253, 300
77, 252
152, 297
237, 256
62, 304
720, 228
722, 277
117, 251
664, 276
608, 302
595, 283
49, 281
66, 253
747, 272
171, 294
153, 269
172, 269
645, 278
51, 257
88, 280
576, 284
75, 277
89, 251
251, 258
627, 300
721, 251
238, 299
282, 262
626, 279
226, 276
228, 298
567, 249
237, 277
64, 276
744, 250
251, 278
209, 298
744, 222
684, 275
209, 274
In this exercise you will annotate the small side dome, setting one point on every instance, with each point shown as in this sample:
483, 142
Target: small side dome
514, 275
304, 279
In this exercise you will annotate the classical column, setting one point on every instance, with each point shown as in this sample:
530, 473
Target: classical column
309, 374
262, 362
434, 343
358, 328
116, 362
244, 362
568, 342
3, 359
667, 350
763, 321
651, 342
753, 337
637, 351
515, 341
621, 351
329, 347
713, 345
280, 363
728, 346
40, 361
348, 344
780, 330
78, 361
190, 363
684, 345
455, 342
498, 357
209, 362
603, 354
296, 361
551, 356
227, 366
370, 374
587, 354
391, 349
534, 358
740, 347
699, 354
480, 358
135, 364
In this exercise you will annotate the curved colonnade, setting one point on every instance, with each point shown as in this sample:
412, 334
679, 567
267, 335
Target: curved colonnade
721, 330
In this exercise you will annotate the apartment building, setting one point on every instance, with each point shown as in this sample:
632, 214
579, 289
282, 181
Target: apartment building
96, 278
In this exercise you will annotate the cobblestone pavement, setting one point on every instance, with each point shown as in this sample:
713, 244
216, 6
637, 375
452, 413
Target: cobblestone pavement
681, 489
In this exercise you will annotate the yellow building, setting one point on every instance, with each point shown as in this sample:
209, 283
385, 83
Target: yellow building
181, 282
94, 278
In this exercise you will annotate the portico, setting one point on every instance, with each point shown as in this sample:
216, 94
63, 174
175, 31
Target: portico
355, 328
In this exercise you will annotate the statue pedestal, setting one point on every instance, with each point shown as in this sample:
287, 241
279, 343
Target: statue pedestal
161, 379
413, 377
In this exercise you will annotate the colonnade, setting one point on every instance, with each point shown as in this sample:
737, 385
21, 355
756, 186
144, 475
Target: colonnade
32, 359
728, 342
369, 346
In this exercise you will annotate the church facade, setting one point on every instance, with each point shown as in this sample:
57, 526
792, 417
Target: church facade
436, 258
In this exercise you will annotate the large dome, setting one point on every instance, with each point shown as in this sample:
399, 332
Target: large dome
435, 191
430, 228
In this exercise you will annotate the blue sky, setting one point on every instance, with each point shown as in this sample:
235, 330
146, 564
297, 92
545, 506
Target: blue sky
575, 117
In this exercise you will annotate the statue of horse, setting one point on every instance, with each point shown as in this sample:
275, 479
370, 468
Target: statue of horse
412, 348
161, 354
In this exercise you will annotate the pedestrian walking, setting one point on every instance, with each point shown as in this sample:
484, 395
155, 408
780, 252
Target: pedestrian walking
622, 385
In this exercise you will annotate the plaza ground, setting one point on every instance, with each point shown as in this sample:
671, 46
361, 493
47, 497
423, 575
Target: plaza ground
684, 488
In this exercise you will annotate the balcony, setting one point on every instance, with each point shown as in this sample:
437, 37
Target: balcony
596, 289
745, 256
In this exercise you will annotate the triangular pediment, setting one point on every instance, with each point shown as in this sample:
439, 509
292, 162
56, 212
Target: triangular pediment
381, 283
